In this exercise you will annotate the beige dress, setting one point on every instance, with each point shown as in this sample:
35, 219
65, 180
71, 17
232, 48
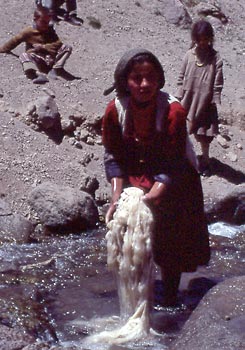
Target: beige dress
199, 90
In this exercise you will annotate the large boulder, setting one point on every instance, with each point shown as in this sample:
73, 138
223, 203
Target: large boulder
44, 112
14, 228
219, 321
63, 209
230, 209
175, 12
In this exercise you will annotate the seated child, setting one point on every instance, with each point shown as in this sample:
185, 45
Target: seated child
69, 15
45, 53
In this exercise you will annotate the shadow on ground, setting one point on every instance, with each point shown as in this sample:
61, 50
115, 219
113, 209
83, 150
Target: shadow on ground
225, 171
68, 76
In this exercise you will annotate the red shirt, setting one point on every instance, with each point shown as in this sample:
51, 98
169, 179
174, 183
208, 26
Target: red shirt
166, 145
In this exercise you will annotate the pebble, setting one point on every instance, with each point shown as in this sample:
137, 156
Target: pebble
78, 145
222, 141
232, 156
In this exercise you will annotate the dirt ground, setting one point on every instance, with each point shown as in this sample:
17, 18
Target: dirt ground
110, 28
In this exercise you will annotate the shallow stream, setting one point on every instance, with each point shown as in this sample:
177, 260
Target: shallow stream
60, 290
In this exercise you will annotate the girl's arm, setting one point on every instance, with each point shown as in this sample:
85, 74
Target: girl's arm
113, 158
177, 132
180, 80
156, 192
218, 80
113, 143
116, 190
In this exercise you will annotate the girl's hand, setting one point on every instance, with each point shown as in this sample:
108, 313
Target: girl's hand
155, 194
110, 212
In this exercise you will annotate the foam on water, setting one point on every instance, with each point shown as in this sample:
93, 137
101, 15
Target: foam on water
225, 230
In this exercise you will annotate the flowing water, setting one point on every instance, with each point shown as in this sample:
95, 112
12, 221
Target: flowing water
61, 289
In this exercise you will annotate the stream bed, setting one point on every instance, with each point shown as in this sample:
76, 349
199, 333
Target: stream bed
60, 290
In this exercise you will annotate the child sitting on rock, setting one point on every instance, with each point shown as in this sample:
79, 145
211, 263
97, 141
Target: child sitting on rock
45, 53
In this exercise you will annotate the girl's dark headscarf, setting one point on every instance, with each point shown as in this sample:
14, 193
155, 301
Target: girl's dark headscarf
125, 65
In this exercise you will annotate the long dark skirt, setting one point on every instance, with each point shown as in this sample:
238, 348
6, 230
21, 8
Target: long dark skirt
181, 238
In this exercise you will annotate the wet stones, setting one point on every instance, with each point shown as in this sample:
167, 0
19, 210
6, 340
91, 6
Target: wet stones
218, 321
230, 209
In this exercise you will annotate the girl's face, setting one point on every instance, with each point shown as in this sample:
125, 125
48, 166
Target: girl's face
143, 82
203, 42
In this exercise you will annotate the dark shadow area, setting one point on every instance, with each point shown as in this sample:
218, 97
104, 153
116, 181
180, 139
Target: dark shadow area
56, 133
167, 320
197, 288
225, 171
191, 297
171, 319
68, 76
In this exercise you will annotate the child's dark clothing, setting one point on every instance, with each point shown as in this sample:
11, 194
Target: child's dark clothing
71, 6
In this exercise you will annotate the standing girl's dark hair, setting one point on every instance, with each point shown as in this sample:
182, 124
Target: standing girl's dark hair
202, 28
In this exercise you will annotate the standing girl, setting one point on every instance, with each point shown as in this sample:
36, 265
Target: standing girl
200, 84
144, 135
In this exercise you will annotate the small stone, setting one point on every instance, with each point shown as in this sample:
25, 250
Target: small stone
222, 141
67, 126
232, 156
90, 141
78, 145
49, 92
